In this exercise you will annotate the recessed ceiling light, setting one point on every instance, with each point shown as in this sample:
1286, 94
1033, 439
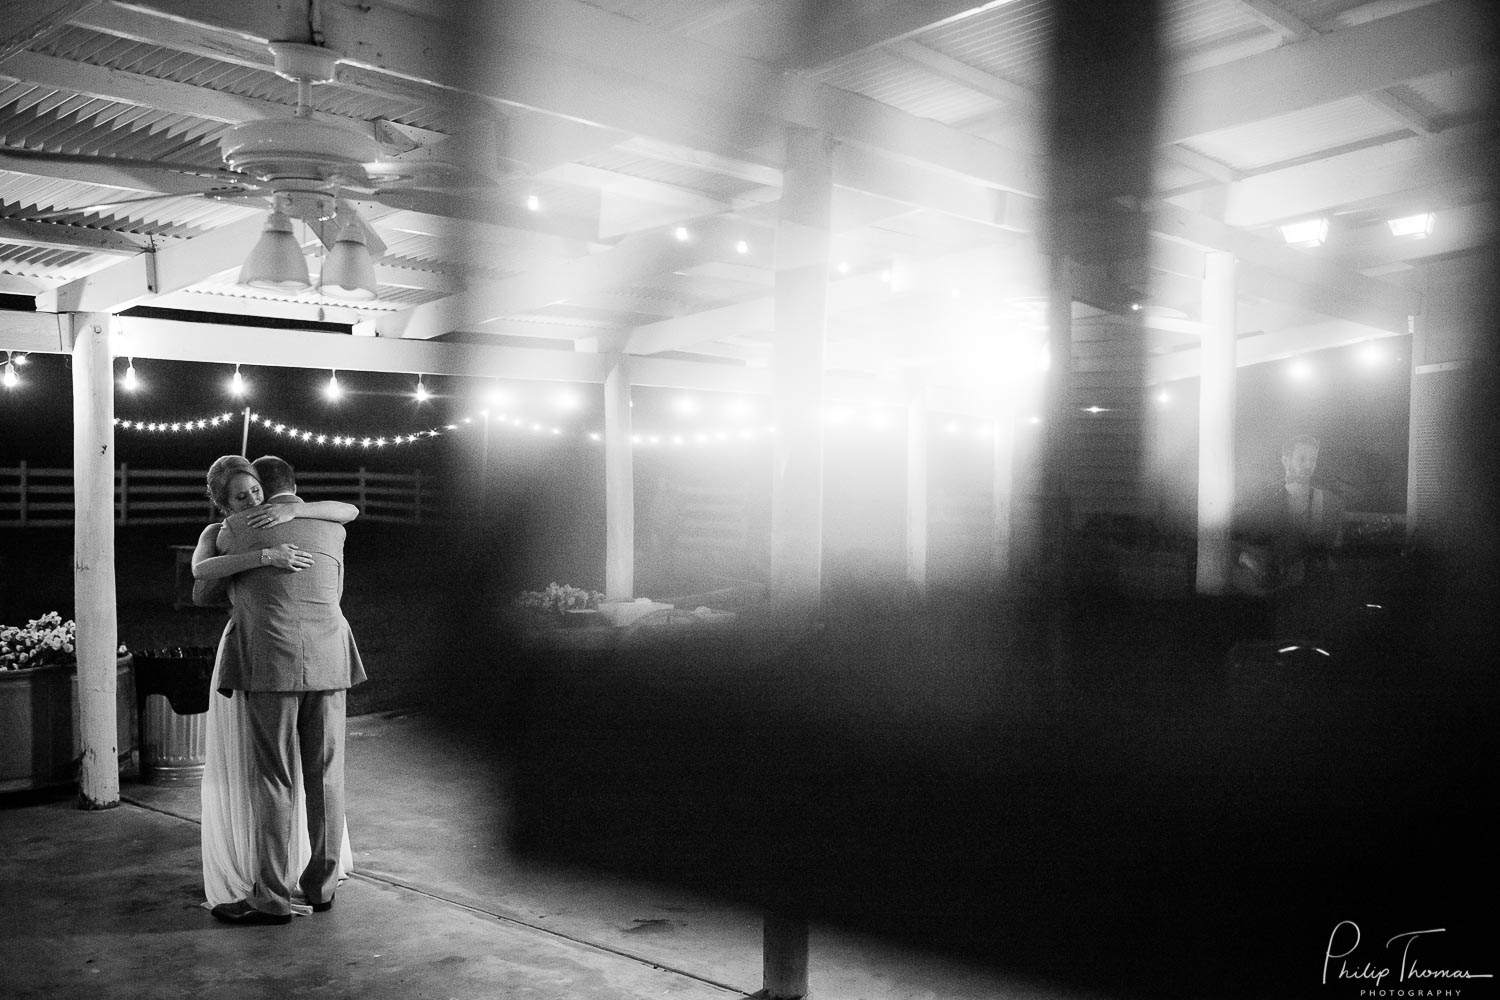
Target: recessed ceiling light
1412, 226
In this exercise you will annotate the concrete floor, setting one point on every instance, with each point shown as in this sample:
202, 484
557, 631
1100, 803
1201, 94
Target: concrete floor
107, 904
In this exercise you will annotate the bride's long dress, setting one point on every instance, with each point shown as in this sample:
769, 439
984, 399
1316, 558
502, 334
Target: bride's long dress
229, 860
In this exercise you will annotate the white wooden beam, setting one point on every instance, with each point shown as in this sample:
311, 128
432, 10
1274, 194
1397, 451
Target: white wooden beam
862, 169
44, 333
1289, 274
178, 340
1328, 68
1258, 348
57, 236
169, 269
228, 344
1409, 164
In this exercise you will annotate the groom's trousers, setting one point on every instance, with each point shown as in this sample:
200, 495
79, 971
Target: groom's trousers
286, 726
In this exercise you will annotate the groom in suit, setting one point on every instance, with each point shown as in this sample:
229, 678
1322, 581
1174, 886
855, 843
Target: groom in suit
289, 653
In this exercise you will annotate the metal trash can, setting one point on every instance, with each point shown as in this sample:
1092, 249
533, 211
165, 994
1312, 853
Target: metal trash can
171, 693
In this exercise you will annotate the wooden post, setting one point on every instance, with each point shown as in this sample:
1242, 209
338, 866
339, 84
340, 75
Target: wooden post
803, 245
123, 491
1003, 489
1055, 514
784, 947
916, 492
93, 560
1216, 410
619, 484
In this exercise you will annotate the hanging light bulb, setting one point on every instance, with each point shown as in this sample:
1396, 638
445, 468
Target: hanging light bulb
334, 390
237, 383
11, 378
130, 382
422, 394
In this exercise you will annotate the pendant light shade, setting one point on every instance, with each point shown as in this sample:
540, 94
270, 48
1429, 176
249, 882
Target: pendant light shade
277, 262
348, 270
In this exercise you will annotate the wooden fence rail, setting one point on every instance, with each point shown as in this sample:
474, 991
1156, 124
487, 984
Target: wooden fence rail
34, 496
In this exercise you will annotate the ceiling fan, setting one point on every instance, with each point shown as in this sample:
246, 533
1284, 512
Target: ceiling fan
299, 167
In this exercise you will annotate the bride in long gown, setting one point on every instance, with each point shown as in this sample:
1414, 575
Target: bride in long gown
229, 861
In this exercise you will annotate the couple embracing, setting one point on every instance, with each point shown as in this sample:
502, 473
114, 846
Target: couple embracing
275, 841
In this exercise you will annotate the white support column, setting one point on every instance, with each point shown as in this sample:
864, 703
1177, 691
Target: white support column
1050, 516
1216, 411
802, 253
619, 485
1003, 489
94, 560
916, 492
784, 957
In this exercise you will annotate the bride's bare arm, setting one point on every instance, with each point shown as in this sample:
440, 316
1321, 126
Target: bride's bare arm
269, 514
209, 566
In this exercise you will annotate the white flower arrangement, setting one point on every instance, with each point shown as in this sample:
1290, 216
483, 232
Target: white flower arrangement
40, 642
558, 598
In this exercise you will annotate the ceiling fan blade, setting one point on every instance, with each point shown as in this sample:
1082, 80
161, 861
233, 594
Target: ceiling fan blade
102, 206
219, 173
58, 213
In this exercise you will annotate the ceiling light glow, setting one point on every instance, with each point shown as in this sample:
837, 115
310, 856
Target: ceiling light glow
1306, 233
1414, 227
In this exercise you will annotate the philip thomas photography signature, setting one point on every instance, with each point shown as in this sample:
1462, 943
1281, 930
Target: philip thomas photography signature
1410, 966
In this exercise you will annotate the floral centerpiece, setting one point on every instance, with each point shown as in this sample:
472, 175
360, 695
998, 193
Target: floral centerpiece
558, 599
40, 743
41, 642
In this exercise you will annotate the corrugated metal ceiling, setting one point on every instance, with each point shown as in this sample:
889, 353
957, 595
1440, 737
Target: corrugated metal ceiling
44, 262
1189, 25
628, 164
157, 62
886, 77
1009, 41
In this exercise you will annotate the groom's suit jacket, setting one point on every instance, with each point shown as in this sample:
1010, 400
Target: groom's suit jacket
286, 631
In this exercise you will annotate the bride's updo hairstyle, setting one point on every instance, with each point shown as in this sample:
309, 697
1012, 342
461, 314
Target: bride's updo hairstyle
224, 469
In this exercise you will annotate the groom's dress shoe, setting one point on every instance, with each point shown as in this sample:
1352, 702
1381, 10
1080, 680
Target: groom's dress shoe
323, 907
242, 913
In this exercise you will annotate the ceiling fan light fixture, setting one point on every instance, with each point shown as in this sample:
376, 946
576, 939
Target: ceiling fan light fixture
276, 263
349, 269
